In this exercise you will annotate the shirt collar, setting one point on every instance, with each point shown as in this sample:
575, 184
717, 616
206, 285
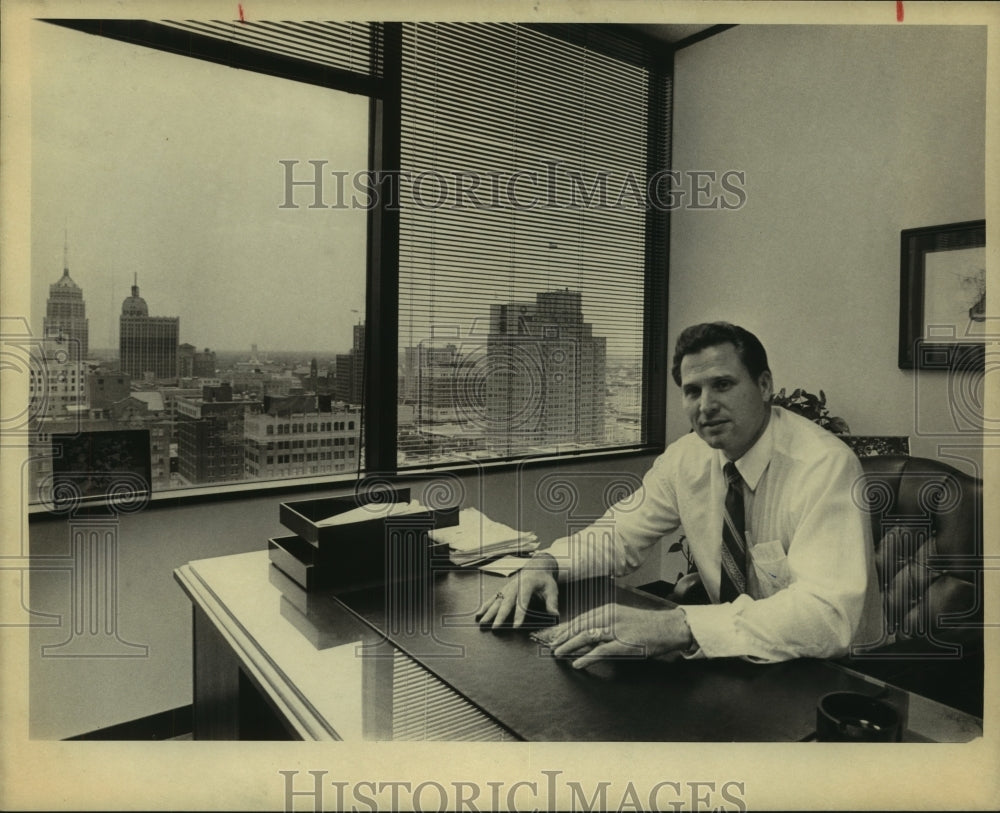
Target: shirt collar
753, 464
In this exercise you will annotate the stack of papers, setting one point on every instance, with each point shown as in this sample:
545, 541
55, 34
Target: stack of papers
373, 511
477, 538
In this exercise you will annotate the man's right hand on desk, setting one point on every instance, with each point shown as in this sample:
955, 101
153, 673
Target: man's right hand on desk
535, 579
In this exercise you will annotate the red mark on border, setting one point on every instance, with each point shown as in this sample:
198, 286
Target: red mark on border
243, 19
899, 11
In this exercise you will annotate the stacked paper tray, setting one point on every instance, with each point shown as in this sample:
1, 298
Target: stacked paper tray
311, 613
361, 553
308, 518
302, 562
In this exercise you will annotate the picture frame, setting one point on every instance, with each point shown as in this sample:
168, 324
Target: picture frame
942, 305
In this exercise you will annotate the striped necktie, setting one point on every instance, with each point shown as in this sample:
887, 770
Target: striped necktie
734, 545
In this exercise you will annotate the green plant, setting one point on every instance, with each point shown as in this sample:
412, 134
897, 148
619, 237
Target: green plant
681, 546
812, 407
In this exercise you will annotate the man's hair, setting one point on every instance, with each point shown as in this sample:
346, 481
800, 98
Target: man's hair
696, 338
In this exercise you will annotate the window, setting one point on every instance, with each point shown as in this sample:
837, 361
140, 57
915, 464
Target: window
517, 288
523, 256
175, 238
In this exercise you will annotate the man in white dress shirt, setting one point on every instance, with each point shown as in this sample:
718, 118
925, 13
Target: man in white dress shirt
808, 577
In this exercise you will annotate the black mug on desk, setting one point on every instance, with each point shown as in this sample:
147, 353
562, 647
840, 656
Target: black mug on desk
855, 717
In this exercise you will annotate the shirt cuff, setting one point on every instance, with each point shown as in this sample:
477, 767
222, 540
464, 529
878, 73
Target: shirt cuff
694, 651
545, 560
559, 550
713, 627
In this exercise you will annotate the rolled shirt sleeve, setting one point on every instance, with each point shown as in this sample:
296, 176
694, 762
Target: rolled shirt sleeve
821, 592
619, 541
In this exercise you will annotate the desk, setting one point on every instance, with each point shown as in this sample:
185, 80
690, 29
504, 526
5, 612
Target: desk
411, 663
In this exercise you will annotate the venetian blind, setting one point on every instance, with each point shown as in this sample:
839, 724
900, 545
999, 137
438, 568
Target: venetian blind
340, 54
524, 158
425, 708
343, 45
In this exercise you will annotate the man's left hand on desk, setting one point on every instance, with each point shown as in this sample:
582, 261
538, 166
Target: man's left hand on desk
617, 631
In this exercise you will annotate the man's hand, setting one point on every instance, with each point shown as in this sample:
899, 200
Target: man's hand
614, 631
535, 578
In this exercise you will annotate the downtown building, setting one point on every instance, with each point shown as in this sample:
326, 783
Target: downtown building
439, 381
110, 406
301, 436
130, 415
57, 375
57, 380
66, 317
545, 376
349, 371
147, 344
447, 418
192, 363
209, 431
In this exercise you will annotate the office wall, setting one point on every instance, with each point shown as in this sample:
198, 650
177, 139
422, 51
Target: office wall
148, 669
847, 135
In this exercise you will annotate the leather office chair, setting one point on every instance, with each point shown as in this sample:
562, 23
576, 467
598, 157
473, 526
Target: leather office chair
927, 526
928, 529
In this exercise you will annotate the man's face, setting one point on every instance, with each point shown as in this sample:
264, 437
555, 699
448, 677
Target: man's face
726, 407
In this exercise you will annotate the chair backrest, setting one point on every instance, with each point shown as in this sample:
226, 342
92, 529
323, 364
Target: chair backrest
927, 525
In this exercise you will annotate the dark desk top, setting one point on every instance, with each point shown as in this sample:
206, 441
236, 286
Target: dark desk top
507, 675
538, 697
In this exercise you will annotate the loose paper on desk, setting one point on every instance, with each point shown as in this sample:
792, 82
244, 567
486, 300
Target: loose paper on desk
375, 510
505, 565
477, 538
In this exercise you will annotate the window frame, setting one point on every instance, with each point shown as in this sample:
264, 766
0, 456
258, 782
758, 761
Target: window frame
383, 87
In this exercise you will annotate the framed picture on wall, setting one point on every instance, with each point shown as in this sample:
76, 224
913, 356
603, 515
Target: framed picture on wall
942, 304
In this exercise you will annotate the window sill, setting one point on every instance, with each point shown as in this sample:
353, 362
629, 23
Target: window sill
236, 491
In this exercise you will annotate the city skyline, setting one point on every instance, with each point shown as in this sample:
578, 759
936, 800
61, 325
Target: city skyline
538, 381
467, 330
185, 188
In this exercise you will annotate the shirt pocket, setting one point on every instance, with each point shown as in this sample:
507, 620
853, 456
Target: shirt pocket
770, 564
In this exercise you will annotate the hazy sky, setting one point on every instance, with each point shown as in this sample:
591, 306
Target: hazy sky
168, 167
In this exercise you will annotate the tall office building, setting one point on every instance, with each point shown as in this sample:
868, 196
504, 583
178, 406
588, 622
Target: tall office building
409, 375
66, 315
348, 377
58, 378
185, 360
147, 344
545, 375
437, 377
447, 390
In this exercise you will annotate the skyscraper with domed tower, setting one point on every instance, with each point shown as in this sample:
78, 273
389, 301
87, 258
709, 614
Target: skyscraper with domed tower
147, 344
66, 315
